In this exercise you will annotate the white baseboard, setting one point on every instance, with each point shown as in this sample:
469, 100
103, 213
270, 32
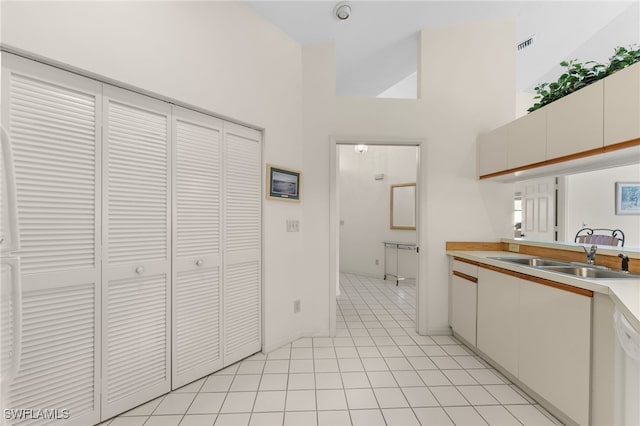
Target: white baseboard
439, 331
300, 335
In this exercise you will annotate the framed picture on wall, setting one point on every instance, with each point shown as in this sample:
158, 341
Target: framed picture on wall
283, 183
628, 198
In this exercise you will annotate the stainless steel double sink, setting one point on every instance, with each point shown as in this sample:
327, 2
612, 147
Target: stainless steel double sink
578, 270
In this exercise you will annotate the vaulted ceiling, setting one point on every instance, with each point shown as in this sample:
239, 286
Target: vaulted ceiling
377, 46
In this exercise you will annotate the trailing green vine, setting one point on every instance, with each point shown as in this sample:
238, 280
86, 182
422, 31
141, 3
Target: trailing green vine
578, 75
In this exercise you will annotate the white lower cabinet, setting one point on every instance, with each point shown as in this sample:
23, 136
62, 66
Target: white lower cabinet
464, 299
555, 346
539, 334
498, 332
463, 306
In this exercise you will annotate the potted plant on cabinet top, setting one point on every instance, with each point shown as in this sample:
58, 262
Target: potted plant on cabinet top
579, 75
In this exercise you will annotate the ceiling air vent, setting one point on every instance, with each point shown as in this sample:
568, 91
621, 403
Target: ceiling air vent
526, 43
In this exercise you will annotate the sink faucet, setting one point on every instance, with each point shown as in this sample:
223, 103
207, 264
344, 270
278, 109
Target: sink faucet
591, 254
625, 262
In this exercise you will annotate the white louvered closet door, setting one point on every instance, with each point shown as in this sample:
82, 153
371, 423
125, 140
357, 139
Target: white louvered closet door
197, 293
137, 254
53, 119
242, 242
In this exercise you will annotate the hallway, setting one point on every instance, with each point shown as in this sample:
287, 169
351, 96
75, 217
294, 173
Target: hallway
376, 371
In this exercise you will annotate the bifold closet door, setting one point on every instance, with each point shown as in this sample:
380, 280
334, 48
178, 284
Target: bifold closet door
242, 242
197, 291
137, 250
53, 120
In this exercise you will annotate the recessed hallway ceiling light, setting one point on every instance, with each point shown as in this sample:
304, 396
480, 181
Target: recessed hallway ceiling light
342, 11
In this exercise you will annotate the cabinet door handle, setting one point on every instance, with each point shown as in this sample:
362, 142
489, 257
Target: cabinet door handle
139, 270
199, 262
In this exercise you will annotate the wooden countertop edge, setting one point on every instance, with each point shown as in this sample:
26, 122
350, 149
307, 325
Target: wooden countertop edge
611, 262
537, 280
476, 246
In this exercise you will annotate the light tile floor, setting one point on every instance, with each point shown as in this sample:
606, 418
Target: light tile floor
376, 371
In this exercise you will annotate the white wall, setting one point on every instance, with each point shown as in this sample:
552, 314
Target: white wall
591, 201
318, 94
524, 101
218, 56
461, 95
364, 207
623, 30
222, 57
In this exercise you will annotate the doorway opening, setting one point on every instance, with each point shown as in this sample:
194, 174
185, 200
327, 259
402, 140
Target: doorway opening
375, 233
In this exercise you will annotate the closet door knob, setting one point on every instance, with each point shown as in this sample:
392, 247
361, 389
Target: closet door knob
199, 262
139, 270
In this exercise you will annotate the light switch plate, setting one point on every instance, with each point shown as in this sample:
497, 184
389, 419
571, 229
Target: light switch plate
293, 225
514, 248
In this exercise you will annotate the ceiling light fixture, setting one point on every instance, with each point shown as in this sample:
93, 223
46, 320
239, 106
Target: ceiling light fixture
342, 11
361, 148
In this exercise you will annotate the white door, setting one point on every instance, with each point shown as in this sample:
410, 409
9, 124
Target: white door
197, 259
10, 288
53, 119
242, 242
539, 208
137, 254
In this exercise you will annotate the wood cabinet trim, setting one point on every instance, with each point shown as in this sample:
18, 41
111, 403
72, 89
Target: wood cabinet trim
609, 261
565, 158
465, 277
470, 262
476, 246
538, 280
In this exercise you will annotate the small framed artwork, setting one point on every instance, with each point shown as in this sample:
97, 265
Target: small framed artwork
627, 198
282, 183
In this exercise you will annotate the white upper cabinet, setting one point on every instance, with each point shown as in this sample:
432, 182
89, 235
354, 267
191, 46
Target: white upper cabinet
492, 151
622, 106
588, 121
527, 139
575, 122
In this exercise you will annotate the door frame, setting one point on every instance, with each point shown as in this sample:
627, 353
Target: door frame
334, 221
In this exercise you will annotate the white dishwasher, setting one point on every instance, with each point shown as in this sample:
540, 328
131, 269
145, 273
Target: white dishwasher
627, 372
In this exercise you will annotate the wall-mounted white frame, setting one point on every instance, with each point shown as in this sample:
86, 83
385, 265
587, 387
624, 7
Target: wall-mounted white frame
402, 206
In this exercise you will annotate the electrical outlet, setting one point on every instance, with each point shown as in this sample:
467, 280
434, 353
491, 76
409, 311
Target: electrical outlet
296, 306
293, 225
377, 261
514, 248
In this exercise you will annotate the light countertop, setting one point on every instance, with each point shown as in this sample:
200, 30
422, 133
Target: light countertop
624, 292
